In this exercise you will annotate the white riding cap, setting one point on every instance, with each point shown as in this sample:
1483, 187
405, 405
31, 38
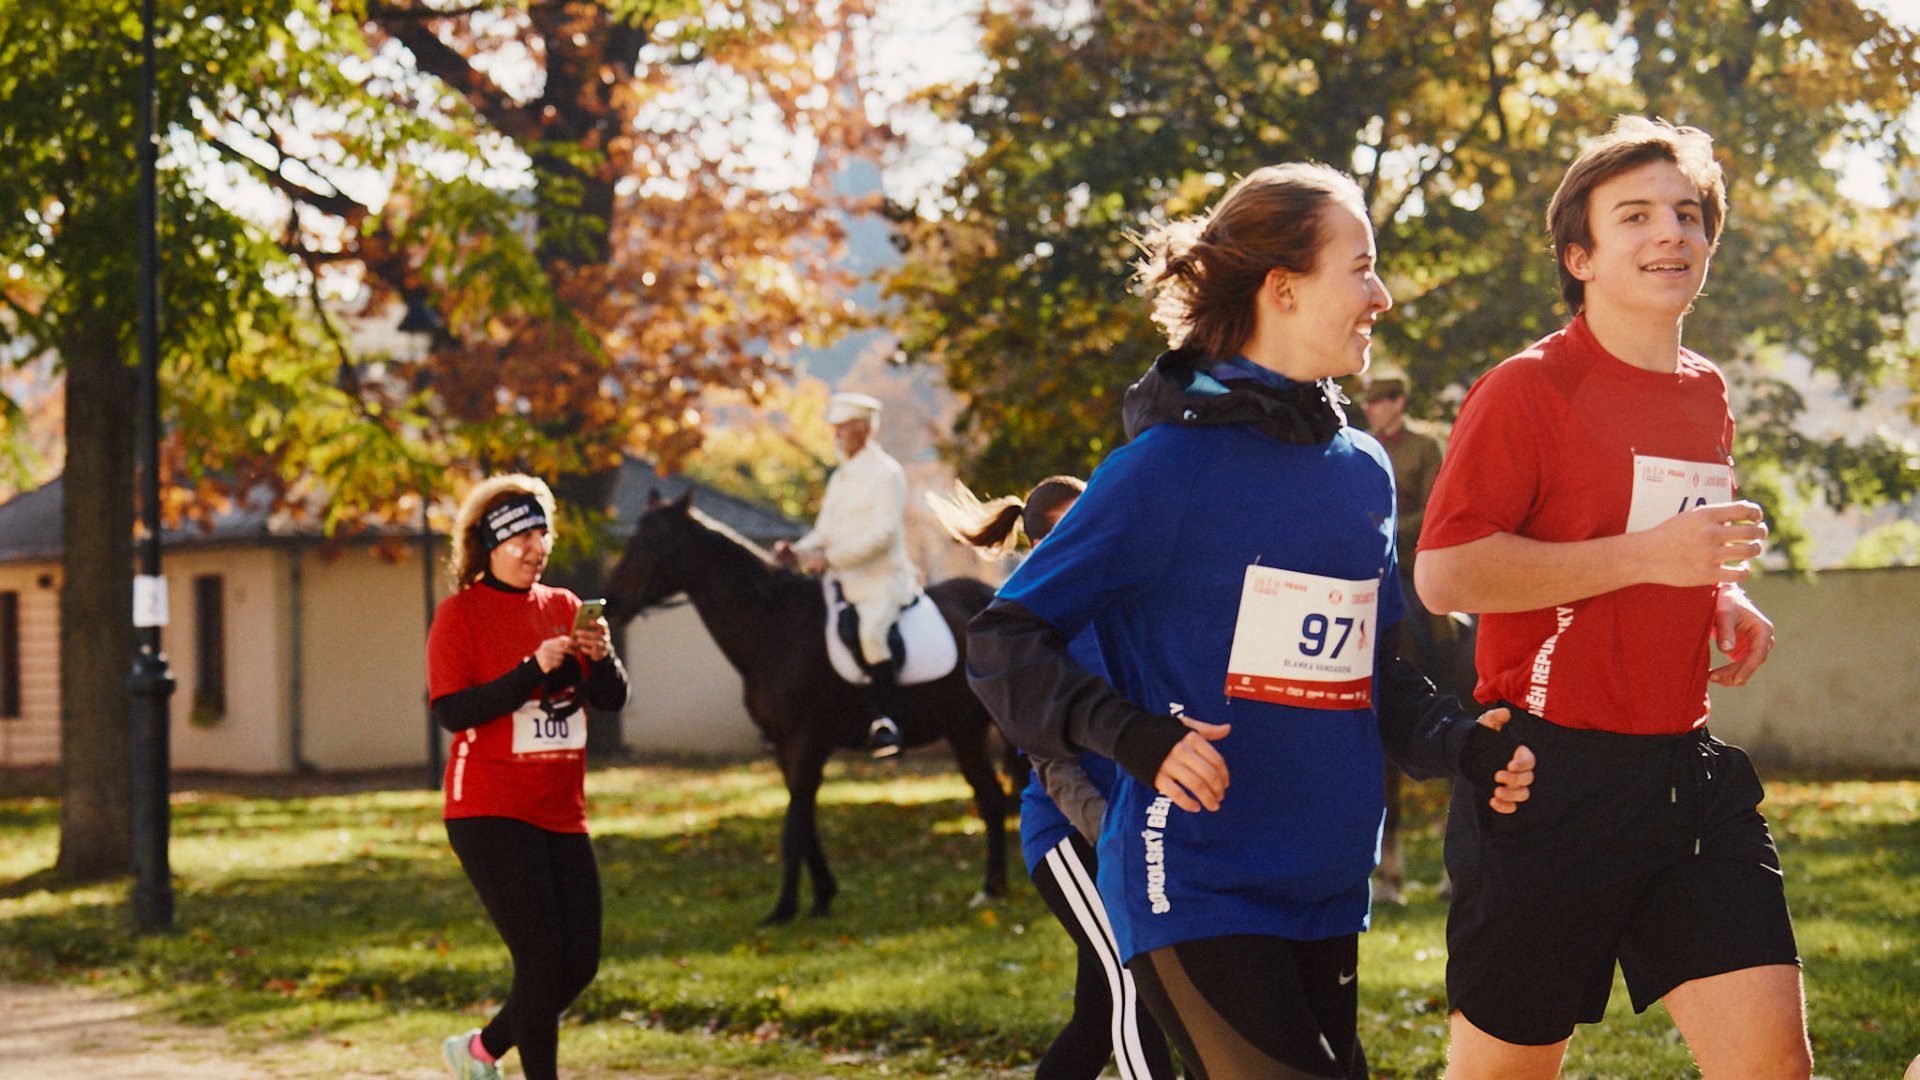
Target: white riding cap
850, 406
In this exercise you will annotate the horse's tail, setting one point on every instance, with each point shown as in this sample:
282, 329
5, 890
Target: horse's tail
961, 598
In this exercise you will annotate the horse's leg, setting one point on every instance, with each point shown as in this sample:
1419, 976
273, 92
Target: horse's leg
801, 765
825, 887
804, 765
989, 797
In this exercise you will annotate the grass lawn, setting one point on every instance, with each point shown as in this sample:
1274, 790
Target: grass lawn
347, 916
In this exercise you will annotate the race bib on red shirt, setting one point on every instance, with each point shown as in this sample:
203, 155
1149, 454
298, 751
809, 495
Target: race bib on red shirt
546, 727
1304, 640
1667, 487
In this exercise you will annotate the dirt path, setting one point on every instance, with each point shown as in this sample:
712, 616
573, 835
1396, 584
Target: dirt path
61, 1033
67, 1033
73, 1033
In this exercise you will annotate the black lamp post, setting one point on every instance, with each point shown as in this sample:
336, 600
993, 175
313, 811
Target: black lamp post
425, 326
151, 683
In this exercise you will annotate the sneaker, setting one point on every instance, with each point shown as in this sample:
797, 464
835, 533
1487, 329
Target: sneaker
461, 1061
883, 737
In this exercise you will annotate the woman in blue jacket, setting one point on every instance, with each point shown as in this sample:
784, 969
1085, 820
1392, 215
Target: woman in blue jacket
1233, 568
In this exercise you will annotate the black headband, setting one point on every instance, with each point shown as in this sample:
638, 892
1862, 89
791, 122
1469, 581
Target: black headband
519, 513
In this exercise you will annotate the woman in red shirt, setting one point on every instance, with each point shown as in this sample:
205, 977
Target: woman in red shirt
510, 669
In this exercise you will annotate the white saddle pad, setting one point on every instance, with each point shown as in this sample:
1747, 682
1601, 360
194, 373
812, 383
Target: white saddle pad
930, 648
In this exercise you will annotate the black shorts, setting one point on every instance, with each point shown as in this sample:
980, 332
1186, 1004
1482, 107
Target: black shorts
1247, 1005
1645, 849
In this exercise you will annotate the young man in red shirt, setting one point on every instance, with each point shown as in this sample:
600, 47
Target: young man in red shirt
1586, 510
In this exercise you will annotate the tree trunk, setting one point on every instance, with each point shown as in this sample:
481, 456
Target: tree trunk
96, 611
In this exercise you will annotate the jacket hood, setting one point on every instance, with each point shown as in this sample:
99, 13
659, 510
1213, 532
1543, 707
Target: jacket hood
1176, 391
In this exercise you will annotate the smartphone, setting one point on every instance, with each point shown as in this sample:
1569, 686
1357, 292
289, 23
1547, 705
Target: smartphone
589, 613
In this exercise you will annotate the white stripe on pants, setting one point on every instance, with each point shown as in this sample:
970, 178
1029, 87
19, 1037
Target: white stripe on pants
1084, 898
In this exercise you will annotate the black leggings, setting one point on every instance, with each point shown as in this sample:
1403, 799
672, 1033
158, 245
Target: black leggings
1249, 1007
542, 890
1097, 1029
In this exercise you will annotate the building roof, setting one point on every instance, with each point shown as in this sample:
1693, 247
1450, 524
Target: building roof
758, 523
30, 522
30, 527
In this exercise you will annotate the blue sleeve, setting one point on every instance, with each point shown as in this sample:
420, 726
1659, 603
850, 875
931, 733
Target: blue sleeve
1027, 652
1118, 537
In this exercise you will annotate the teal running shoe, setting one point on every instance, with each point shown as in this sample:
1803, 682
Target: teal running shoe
463, 1064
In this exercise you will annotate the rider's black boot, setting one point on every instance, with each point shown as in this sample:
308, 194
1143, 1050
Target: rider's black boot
883, 693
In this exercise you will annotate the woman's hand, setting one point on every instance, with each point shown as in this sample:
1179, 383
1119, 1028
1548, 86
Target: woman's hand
549, 654
1194, 775
593, 642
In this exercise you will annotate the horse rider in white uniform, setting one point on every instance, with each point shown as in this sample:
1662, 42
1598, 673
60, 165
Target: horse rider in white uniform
860, 538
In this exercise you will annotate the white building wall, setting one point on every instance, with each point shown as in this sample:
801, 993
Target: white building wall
1841, 691
686, 698
33, 737
1842, 687
364, 656
251, 737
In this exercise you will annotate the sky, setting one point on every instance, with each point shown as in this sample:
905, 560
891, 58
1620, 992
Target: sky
914, 44
1906, 11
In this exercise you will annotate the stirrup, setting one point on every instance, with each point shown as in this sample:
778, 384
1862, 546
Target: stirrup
883, 737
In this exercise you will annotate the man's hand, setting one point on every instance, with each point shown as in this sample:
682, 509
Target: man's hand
783, 554
810, 561
1194, 774
1696, 547
1741, 632
1513, 785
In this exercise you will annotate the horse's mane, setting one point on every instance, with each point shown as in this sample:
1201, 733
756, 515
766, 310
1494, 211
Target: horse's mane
714, 524
743, 556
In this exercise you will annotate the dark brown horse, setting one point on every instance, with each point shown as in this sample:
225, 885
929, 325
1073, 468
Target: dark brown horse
769, 622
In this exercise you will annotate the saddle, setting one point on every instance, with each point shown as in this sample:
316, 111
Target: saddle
920, 639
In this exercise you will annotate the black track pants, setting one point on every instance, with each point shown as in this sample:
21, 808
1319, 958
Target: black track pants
542, 890
1108, 1020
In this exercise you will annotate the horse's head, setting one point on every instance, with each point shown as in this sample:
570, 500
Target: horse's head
649, 571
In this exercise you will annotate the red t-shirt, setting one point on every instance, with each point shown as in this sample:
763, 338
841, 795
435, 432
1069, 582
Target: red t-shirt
530, 764
1567, 442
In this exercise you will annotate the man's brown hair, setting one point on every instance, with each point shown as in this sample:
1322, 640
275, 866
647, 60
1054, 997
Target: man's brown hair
1633, 141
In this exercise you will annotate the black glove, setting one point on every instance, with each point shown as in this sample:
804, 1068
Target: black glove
1487, 752
1144, 743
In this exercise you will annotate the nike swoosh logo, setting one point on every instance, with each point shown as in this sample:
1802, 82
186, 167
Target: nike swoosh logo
1348, 977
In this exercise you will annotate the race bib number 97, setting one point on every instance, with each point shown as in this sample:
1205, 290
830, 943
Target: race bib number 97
1668, 487
542, 729
1304, 640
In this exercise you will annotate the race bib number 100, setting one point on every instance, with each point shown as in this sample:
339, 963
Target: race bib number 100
1304, 640
540, 729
